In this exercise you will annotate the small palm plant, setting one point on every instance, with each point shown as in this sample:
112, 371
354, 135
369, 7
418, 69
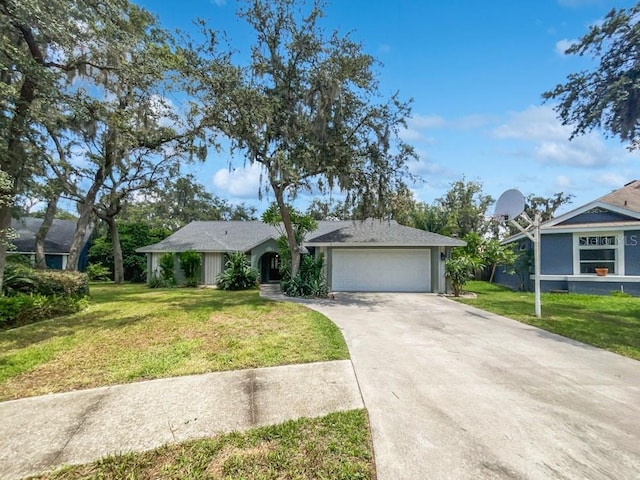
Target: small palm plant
460, 270
238, 273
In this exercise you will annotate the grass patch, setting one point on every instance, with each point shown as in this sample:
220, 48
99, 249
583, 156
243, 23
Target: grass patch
337, 446
609, 322
130, 333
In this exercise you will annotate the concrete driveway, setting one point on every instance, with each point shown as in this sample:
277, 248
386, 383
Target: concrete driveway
458, 393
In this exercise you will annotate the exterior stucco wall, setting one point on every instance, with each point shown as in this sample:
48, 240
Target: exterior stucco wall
438, 281
604, 288
550, 285
213, 265
509, 280
632, 252
593, 217
257, 252
557, 254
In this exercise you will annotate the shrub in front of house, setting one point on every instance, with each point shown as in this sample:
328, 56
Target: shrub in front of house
167, 268
190, 263
310, 280
238, 273
460, 269
18, 278
32, 295
61, 283
22, 309
98, 272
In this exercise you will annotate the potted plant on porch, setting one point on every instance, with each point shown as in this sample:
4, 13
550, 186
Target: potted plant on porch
601, 271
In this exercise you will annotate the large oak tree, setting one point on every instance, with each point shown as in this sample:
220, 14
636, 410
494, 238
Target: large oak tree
307, 108
46, 46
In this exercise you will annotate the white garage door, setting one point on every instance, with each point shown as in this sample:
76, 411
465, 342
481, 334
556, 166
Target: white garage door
381, 270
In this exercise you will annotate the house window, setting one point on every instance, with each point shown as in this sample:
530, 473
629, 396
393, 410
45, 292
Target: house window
598, 251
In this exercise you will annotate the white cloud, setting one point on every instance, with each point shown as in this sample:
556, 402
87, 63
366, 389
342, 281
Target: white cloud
163, 109
410, 135
540, 127
534, 123
563, 45
425, 166
241, 182
470, 122
417, 123
581, 152
612, 180
426, 121
564, 182
384, 48
219, 3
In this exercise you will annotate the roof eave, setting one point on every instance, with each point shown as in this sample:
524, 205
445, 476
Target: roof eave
459, 243
596, 203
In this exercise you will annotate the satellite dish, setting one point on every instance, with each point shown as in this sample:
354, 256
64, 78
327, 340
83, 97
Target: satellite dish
510, 204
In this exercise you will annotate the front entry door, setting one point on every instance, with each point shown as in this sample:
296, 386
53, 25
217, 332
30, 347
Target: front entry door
270, 267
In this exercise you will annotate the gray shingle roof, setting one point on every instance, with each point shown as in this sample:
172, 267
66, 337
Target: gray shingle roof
382, 233
227, 236
58, 238
625, 197
223, 236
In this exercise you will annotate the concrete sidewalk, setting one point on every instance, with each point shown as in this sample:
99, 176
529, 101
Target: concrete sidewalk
41, 433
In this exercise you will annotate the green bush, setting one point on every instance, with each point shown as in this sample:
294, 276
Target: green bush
238, 273
310, 281
460, 270
61, 283
167, 268
18, 278
22, 309
190, 262
98, 272
156, 281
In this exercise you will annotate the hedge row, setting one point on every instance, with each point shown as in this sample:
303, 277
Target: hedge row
22, 309
34, 295
22, 279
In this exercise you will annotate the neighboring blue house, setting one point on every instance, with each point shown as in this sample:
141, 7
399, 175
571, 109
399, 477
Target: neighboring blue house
56, 245
603, 234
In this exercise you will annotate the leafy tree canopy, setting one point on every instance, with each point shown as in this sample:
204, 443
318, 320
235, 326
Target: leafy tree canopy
308, 110
607, 96
465, 207
132, 236
176, 202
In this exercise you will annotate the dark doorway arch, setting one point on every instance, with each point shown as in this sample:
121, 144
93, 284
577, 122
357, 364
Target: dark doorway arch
270, 267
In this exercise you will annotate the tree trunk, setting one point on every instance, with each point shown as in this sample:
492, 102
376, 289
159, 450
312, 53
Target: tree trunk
493, 272
82, 226
86, 213
13, 163
118, 262
49, 214
5, 225
288, 227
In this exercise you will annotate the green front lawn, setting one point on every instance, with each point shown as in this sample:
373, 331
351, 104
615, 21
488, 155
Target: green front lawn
337, 446
131, 332
610, 322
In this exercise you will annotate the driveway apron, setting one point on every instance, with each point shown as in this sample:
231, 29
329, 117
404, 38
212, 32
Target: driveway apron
457, 393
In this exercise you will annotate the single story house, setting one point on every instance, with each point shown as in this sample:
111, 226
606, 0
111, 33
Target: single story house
602, 234
56, 244
368, 255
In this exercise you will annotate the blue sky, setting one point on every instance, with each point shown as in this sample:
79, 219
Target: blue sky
475, 71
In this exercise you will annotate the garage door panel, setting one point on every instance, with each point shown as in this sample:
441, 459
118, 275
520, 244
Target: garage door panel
381, 270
